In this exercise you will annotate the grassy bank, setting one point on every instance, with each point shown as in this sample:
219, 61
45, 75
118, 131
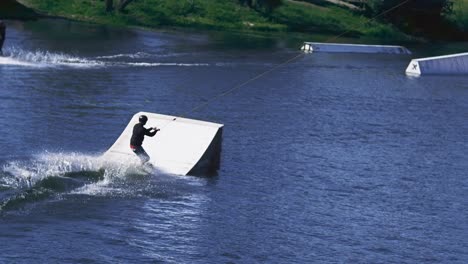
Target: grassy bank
292, 16
308, 18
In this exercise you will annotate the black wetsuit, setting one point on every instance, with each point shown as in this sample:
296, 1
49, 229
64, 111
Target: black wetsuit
139, 133
2, 35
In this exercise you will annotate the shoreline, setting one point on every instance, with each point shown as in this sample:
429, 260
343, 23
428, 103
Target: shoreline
281, 22
322, 36
388, 36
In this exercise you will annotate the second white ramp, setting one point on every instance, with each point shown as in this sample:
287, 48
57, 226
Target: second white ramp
449, 64
352, 48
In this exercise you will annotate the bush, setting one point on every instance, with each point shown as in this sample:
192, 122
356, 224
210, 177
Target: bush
420, 17
459, 14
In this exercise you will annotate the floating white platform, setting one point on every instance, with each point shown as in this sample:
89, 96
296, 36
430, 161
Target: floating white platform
352, 48
450, 64
182, 147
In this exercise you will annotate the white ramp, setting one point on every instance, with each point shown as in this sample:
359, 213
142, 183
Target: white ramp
352, 48
185, 146
450, 64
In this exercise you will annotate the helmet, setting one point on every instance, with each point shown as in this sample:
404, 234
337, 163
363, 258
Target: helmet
143, 119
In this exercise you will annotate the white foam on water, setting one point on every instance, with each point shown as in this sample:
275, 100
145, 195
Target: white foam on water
15, 62
156, 64
29, 172
100, 188
39, 58
113, 172
138, 55
43, 59
26, 174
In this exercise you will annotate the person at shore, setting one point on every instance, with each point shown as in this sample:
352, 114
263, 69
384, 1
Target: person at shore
139, 133
2, 36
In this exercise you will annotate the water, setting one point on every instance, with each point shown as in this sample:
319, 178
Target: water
332, 158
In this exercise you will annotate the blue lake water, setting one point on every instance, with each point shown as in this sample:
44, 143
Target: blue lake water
332, 158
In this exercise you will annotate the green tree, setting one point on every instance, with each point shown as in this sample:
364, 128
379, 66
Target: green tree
109, 5
417, 16
121, 4
427, 9
267, 5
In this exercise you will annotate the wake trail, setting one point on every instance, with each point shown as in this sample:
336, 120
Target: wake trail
54, 174
45, 59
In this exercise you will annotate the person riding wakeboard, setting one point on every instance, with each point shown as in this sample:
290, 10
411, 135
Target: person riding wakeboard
139, 133
2, 36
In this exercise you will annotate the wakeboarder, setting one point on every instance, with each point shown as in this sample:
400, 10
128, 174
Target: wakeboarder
139, 133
